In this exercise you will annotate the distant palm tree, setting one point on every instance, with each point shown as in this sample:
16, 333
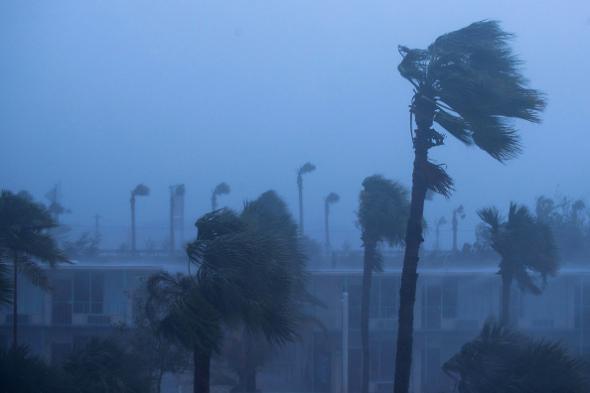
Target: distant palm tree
330, 200
525, 246
25, 239
382, 216
458, 213
308, 167
221, 189
501, 360
469, 82
441, 221
139, 190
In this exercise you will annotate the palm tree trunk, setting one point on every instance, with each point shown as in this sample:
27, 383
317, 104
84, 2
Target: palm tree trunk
368, 266
15, 304
424, 111
202, 366
300, 189
506, 295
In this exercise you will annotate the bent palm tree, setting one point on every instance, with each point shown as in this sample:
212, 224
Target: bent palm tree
382, 216
525, 246
468, 81
180, 309
308, 167
25, 239
501, 360
329, 200
220, 189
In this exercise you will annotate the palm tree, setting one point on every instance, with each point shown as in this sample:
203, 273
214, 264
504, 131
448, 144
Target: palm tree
308, 167
525, 245
250, 271
458, 213
25, 239
382, 216
468, 81
441, 221
288, 297
330, 200
181, 310
221, 189
501, 360
139, 190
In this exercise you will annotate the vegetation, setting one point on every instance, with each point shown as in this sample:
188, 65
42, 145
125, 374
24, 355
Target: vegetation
525, 246
104, 366
220, 189
382, 216
467, 81
501, 360
250, 274
25, 240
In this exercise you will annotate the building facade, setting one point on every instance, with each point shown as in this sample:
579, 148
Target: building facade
92, 297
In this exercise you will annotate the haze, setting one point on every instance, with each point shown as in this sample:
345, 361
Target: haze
103, 95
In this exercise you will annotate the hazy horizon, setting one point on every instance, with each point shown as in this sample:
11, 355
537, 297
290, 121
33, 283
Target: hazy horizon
102, 95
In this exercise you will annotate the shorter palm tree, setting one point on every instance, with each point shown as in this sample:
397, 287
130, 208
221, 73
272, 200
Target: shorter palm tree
139, 190
180, 309
330, 200
501, 360
306, 168
526, 247
382, 216
220, 189
26, 240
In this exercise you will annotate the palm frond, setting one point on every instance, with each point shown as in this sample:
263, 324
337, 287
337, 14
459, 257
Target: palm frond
474, 73
438, 180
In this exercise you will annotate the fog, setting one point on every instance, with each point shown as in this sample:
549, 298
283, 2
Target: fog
102, 95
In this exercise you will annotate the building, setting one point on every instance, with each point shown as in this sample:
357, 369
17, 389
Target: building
92, 296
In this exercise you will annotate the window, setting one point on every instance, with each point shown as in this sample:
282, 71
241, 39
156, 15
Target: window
88, 293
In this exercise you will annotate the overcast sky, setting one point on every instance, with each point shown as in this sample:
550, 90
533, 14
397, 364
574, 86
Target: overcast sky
103, 94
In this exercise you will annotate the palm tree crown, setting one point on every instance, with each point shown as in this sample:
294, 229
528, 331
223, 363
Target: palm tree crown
383, 210
472, 81
524, 244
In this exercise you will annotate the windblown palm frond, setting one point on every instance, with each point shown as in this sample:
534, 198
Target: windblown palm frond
221, 189
475, 80
178, 308
501, 360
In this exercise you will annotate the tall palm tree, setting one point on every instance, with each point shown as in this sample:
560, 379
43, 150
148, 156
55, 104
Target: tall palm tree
329, 200
220, 189
25, 240
382, 216
525, 245
308, 167
501, 360
468, 81
139, 190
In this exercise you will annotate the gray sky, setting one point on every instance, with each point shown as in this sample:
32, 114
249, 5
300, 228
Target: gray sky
104, 94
